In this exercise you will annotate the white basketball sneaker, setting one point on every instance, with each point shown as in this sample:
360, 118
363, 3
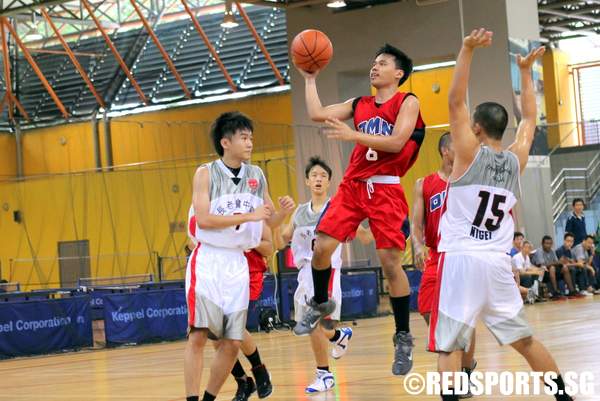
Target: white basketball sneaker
324, 381
341, 345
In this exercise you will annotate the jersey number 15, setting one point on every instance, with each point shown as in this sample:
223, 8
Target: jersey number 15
497, 200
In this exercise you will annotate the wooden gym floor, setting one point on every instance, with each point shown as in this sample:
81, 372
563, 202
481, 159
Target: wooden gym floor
570, 329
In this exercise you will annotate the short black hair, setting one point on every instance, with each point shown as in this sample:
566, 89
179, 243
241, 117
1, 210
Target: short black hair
492, 117
590, 236
546, 238
226, 125
569, 234
317, 161
517, 234
444, 141
403, 62
578, 200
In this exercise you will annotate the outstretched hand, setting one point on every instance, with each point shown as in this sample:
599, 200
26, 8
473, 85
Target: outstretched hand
478, 38
526, 62
337, 129
308, 75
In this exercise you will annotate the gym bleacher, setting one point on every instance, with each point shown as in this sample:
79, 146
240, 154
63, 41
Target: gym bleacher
236, 47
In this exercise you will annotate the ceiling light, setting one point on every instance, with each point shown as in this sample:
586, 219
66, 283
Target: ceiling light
228, 18
336, 4
33, 34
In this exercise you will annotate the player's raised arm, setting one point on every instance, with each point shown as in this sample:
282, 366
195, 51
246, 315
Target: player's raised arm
464, 140
526, 128
316, 111
208, 221
416, 226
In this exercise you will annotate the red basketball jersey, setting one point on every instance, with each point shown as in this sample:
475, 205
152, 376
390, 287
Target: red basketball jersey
256, 261
434, 192
379, 119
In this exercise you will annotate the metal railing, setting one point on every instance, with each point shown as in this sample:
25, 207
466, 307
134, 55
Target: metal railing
575, 182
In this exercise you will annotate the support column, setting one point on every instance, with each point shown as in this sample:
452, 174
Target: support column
96, 142
19, 149
108, 142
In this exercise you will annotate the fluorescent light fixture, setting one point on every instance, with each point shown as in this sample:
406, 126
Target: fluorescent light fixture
33, 34
432, 66
336, 4
228, 18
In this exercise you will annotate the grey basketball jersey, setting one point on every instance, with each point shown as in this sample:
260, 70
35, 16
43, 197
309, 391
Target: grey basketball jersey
228, 198
305, 222
478, 206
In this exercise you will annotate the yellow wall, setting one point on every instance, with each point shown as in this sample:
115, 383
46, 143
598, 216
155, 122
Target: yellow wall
560, 99
59, 149
125, 214
434, 105
162, 135
183, 132
8, 156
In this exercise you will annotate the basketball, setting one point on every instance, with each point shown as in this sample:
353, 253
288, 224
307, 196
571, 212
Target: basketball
311, 50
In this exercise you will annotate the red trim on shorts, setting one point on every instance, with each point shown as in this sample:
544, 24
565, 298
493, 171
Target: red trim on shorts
191, 296
435, 304
192, 226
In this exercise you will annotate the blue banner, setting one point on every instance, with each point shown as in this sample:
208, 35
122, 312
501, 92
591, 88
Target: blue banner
145, 316
44, 326
359, 295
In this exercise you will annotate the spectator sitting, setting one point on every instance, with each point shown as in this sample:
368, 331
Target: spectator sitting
565, 256
596, 259
583, 254
527, 294
576, 222
530, 276
518, 239
545, 258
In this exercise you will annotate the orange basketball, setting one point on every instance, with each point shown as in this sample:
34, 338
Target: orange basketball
311, 50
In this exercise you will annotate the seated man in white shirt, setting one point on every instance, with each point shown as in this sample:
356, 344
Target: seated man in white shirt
529, 275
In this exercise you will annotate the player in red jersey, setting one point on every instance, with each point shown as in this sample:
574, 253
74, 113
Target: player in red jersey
429, 195
388, 132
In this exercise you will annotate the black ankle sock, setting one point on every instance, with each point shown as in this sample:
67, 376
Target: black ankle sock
401, 309
192, 398
451, 396
321, 284
560, 384
323, 368
254, 359
209, 397
238, 370
336, 336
